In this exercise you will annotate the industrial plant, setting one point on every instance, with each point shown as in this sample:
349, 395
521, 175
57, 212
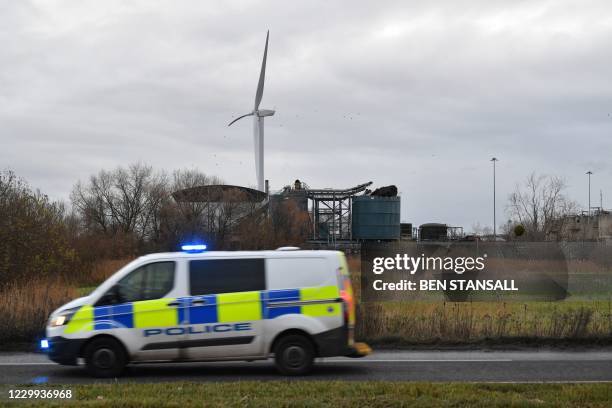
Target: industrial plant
344, 217
338, 217
594, 225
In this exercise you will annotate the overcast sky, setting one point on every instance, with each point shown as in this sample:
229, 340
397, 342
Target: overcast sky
420, 94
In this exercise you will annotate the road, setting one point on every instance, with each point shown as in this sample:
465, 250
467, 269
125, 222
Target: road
488, 366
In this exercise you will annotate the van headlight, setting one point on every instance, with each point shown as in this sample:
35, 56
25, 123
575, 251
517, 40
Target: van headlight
63, 317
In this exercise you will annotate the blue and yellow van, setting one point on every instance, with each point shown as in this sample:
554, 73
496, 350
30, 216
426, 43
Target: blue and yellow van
194, 305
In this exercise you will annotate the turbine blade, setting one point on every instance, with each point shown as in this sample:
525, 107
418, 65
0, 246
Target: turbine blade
239, 117
262, 75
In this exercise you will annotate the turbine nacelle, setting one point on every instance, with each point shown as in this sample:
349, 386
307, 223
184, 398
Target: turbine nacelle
258, 113
264, 112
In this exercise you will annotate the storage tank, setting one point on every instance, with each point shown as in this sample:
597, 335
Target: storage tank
433, 231
375, 217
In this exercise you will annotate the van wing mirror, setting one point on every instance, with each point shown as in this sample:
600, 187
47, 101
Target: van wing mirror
111, 297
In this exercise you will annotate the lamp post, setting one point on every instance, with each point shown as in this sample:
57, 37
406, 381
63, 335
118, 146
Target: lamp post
494, 159
589, 174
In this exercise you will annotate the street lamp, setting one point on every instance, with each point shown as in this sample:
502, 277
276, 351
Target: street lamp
589, 174
494, 159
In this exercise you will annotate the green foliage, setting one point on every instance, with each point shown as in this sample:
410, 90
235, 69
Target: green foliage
519, 230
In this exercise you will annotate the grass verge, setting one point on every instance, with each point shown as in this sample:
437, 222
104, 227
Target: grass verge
336, 394
478, 322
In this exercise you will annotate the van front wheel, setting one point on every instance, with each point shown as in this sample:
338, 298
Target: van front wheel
105, 358
294, 355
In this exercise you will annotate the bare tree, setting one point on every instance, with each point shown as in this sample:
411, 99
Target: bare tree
128, 210
235, 209
199, 214
187, 220
281, 224
539, 204
125, 200
188, 178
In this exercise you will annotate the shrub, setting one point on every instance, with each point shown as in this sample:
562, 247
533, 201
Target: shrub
35, 239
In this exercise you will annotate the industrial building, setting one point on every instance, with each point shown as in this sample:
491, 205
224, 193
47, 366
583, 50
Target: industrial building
341, 216
338, 217
434, 231
595, 225
349, 214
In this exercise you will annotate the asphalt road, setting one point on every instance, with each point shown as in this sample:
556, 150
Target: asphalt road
488, 366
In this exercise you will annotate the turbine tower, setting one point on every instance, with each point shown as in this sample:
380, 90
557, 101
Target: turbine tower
258, 121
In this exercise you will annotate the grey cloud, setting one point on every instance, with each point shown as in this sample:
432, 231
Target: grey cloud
420, 94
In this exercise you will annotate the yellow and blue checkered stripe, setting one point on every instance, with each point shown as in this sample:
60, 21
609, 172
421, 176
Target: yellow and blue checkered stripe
220, 308
315, 302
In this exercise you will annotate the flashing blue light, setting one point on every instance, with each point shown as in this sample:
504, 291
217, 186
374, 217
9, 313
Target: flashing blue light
194, 248
44, 344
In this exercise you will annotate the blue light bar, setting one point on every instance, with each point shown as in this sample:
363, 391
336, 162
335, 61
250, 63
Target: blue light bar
44, 344
194, 248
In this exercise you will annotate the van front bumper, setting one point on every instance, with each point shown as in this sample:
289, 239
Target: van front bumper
64, 351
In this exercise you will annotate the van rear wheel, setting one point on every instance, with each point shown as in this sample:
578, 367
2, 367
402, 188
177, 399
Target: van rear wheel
105, 358
294, 355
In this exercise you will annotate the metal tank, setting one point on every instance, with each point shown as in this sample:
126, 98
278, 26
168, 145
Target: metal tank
433, 231
375, 218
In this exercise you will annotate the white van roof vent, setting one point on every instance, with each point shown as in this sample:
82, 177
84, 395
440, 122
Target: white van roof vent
288, 248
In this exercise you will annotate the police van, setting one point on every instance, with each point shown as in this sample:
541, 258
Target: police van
195, 305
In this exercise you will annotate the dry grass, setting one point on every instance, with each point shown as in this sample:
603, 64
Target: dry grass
25, 307
427, 322
469, 322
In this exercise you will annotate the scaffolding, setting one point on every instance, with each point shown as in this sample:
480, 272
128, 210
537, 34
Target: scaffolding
330, 210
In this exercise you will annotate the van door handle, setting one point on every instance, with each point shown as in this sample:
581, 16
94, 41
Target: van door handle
174, 303
198, 302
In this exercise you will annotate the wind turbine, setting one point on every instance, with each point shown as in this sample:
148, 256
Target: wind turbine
258, 121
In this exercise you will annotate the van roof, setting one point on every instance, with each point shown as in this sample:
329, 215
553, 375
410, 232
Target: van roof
242, 254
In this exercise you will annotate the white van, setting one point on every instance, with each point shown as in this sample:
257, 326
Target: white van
210, 306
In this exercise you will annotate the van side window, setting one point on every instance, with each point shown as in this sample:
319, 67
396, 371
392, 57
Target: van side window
210, 276
148, 282
288, 273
